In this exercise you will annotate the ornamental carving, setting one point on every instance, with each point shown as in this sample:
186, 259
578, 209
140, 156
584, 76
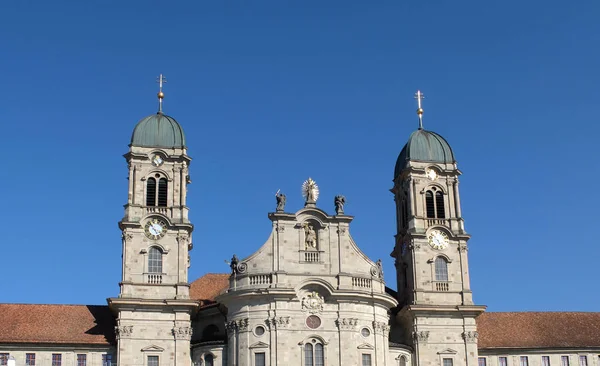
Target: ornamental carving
123, 331
381, 327
182, 238
313, 303
182, 333
470, 336
242, 324
414, 246
242, 267
280, 228
421, 336
230, 327
341, 231
127, 236
462, 247
346, 323
278, 322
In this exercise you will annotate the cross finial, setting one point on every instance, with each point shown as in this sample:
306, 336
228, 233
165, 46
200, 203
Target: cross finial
419, 96
160, 80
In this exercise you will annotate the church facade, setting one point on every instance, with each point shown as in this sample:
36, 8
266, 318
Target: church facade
308, 296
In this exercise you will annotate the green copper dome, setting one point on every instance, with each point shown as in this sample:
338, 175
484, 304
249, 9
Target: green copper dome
424, 146
158, 130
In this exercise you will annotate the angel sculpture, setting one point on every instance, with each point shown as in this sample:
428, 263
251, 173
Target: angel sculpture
280, 201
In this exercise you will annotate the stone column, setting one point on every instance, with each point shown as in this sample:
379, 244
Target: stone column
182, 335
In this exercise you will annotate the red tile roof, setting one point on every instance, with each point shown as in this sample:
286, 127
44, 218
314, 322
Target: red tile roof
538, 330
72, 324
207, 287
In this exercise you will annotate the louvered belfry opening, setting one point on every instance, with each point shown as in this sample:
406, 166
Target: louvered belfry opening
162, 192
439, 203
430, 205
151, 192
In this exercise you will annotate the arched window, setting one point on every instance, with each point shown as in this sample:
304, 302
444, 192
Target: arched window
209, 360
154, 260
430, 205
434, 204
151, 192
439, 204
314, 354
441, 269
402, 361
162, 192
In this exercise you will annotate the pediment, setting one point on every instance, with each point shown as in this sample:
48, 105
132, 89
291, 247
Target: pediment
365, 346
259, 345
447, 351
153, 348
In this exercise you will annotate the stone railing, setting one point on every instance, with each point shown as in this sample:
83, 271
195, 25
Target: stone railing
311, 257
441, 286
261, 279
158, 210
154, 278
362, 282
432, 222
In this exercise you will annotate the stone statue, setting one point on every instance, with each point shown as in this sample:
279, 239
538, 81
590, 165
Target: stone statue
233, 264
339, 203
380, 266
310, 192
310, 236
280, 201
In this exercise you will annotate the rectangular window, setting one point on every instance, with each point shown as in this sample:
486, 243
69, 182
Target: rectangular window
56, 359
481, 361
3, 359
30, 359
545, 360
152, 360
524, 361
81, 360
582, 360
259, 359
366, 359
447, 362
106, 360
564, 360
502, 361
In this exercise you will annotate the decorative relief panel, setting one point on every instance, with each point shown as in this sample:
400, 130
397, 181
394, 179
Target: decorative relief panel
313, 303
123, 331
346, 323
240, 325
182, 333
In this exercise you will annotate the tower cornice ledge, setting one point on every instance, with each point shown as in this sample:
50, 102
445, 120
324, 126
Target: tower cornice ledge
423, 310
186, 305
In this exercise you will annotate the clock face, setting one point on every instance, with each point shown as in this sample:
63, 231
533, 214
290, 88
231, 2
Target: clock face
313, 322
155, 228
431, 174
438, 239
157, 160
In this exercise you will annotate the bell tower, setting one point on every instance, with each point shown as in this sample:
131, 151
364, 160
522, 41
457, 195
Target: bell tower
438, 313
153, 308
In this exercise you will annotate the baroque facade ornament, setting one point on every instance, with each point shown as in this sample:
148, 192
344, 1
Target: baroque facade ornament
420, 336
123, 331
127, 236
341, 230
381, 327
281, 199
278, 322
346, 323
182, 238
339, 201
462, 247
182, 333
313, 303
470, 336
310, 236
242, 324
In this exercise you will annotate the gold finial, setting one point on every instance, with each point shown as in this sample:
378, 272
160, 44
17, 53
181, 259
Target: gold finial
419, 96
160, 80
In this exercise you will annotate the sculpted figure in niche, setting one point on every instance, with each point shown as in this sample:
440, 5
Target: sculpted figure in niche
280, 201
339, 203
310, 236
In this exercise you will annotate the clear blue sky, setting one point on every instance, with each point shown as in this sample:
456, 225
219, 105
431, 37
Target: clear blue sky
272, 92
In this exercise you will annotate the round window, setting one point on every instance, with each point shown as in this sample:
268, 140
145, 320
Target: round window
260, 330
313, 322
365, 332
